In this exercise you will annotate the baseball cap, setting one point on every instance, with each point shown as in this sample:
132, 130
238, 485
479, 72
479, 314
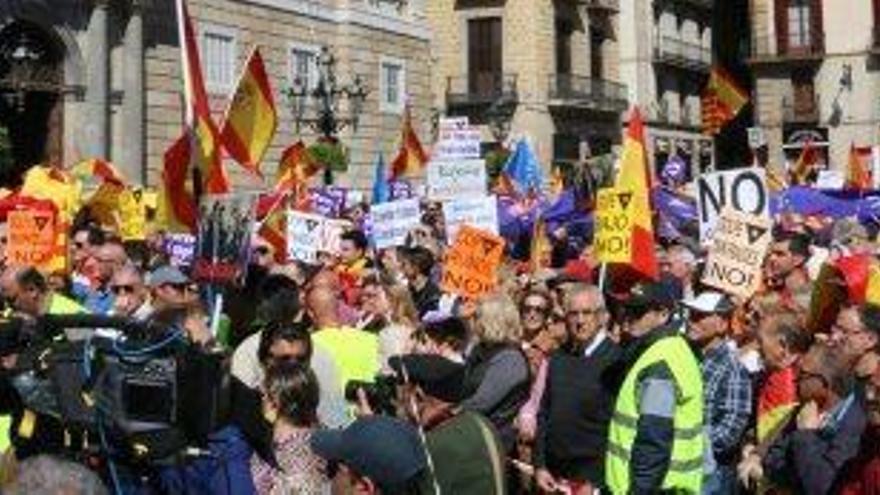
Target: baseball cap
386, 450
166, 275
652, 294
435, 375
710, 302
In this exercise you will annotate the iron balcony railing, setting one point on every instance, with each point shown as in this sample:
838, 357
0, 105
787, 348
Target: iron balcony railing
582, 91
481, 89
682, 53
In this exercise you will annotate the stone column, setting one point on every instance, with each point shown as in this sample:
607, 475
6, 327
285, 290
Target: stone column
96, 126
132, 153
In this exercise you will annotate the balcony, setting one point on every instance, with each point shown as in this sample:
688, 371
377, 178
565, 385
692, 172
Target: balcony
571, 91
875, 41
808, 50
801, 111
481, 90
604, 6
682, 54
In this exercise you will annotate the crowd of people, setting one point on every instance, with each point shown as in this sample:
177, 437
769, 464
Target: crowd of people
362, 375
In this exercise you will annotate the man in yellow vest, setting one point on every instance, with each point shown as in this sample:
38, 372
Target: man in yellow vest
656, 436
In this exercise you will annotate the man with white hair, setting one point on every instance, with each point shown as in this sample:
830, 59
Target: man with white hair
680, 263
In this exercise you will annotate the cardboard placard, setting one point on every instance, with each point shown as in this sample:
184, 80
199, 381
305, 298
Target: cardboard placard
304, 236
180, 248
481, 213
736, 258
612, 241
393, 221
472, 262
331, 235
459, 178
31, 238
743, 189
457, 139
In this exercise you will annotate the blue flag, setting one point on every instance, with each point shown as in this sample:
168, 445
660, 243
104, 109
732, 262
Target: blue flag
381, 193
524, 170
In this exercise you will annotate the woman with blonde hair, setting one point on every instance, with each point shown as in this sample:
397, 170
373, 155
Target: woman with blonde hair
497, 370
387, 308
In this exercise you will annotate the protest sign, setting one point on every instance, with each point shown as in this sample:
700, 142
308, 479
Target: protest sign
224, 230
612, 242
736, 257
743, 189
304, 236
393, 221
31, 238
481, 212
457, 139
180, 249
400, 189
331, 235
472, 262
830, 179
451, 179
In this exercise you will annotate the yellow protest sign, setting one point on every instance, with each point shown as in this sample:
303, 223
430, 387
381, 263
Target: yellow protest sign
31, 239
736, 256
121, 209
612, 240
472, 262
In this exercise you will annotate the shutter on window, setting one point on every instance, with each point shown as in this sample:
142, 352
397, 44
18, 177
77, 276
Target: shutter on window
817, 30
781, 16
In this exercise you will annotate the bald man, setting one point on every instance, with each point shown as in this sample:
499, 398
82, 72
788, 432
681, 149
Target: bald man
97, 296
355, 352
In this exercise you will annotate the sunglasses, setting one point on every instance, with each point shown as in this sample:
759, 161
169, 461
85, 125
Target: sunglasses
79, 245
261, 251
533, 308
122, 289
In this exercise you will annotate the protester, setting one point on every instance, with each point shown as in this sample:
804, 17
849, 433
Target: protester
785, 267
417, 265
97, 297
539, 338
727, 388
856, 332
446, 337
263, 254
46, 474
681, 264
388, 310
130, 294
572, 433
290, 403
655, 438
26, 291
168, 287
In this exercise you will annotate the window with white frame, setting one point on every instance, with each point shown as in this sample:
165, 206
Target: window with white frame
218, 58
304, 65
392, 85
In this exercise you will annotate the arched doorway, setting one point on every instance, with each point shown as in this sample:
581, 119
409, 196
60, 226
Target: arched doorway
31, 104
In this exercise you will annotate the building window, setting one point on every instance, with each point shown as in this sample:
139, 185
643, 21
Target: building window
564, 31
392, 85
799, 24
304, 66
485, 50
218, 58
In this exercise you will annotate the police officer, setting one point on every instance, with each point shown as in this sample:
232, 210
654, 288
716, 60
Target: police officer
655, 440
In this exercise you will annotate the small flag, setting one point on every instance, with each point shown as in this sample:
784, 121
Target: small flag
272, 209
381, 191
411, 158
251, 119
721, 101
858, 172
296, 168
102, 170
177, 204
805, 164
557, 182
541, 247
524, 170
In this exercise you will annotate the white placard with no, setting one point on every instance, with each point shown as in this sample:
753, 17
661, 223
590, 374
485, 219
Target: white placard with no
743, 189
393, 221
457, 178
736, 258
481, 213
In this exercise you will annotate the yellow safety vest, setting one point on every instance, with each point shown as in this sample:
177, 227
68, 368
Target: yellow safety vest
685, 472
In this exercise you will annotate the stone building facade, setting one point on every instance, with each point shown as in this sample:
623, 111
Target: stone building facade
816, 68
665, 58
545, 69
111, 82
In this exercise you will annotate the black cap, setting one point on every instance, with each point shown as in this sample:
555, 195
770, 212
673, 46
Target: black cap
435, 375
386, 450
662, 294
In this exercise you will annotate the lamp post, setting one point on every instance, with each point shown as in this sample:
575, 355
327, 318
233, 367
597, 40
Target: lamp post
326, 95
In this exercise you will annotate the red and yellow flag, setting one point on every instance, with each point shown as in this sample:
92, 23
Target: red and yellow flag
103, 170
634, 176
272, 213
411, 158
541, 248
251, 119
858, 171
805, 164
296, 168
777, 401
177, 204
200, 126
721, 101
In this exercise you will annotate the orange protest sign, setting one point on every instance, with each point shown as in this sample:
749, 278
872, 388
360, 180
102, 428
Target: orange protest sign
472, 262
31, 239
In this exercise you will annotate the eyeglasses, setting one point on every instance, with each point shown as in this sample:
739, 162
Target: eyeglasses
122, 289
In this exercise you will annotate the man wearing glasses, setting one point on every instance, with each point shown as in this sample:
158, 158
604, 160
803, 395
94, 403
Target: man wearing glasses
856, 332
130, 295
572, 433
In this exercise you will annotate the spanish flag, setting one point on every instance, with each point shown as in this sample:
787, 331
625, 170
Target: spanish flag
805, 164
777, 403
634, 176
721, 101
201, 129
411, 158
541, 248
177, 204
272, 212
296, 168
251, 119
858, 171
861, 275
103, 170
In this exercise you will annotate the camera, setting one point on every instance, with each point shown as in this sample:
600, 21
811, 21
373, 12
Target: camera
381, 393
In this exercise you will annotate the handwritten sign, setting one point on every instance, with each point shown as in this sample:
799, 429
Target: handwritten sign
457, 139
331, 235
180, 248
452, 179
480, 212
304, 236
743, 189
472, 263
31, 238
393, 221
614, 224
739, 244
